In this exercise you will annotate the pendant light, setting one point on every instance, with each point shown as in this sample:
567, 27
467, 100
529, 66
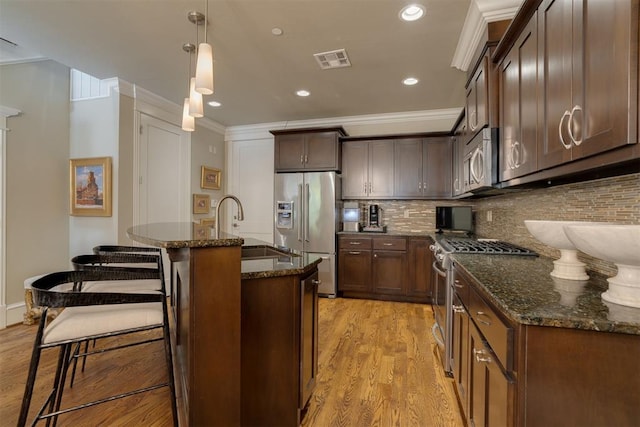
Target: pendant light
188, 121
204, 64
196, 106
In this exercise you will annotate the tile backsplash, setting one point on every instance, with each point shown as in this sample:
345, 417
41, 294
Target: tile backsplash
614, 200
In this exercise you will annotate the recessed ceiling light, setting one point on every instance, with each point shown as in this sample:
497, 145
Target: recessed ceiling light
412, 12
214, 103
277, 31
410, 81
303, 92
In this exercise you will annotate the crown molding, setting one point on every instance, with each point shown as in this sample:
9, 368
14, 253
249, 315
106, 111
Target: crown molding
480, 13
261, 131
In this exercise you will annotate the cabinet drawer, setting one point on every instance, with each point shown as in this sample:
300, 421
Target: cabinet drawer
498, 334
461, 287
390, 243
348, 242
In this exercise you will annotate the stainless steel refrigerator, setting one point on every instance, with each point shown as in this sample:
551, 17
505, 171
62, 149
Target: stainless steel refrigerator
307, 219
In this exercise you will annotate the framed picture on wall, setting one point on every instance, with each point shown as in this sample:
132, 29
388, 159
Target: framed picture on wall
201, 203
90, 186
210, 178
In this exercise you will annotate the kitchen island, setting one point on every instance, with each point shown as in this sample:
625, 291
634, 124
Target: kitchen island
533, 350
234, 319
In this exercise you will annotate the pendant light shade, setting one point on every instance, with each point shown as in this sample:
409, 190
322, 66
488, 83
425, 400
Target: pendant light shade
196, 107
188, 122
204, 69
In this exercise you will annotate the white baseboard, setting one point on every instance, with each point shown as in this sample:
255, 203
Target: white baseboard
12, 314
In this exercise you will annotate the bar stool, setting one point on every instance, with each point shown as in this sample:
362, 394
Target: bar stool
90, 314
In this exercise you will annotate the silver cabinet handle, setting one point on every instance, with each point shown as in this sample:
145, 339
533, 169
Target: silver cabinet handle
301, 159
473, 126
564, 144
420, 186
456, 185
570, 123
482, 313
482, 356
375, 255
306, 158
370, 187
354, 253
317, 282
387, 244
355, 243
457, 284
364, 187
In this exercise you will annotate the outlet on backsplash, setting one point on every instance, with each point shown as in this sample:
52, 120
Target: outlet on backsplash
489, 216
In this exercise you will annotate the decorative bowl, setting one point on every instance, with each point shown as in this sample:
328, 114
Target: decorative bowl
552, 233
616, 243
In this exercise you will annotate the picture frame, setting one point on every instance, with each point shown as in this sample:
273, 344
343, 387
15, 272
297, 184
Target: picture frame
90, 186
201, 203
201, 232
209, 222
210, 178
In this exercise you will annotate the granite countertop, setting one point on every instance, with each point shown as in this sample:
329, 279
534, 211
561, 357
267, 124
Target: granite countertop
523, 289
290, 263
390, 233
175, 235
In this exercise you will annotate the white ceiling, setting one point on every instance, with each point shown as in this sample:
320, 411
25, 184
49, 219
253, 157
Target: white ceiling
257, 73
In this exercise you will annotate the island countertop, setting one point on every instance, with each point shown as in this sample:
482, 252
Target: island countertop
523, 289
290, 263
176, 235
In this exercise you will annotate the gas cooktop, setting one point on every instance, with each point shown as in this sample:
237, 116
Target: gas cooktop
493, 247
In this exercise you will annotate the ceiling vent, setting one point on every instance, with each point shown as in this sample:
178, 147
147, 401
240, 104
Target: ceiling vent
334, 59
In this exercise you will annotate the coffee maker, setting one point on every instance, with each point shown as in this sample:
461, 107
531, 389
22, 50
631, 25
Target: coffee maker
374, 220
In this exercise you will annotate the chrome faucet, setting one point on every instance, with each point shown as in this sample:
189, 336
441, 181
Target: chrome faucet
240, 211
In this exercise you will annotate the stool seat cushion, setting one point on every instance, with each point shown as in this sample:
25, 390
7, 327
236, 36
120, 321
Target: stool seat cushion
85, 322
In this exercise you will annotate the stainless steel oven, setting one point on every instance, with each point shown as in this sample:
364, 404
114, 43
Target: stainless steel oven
441, 301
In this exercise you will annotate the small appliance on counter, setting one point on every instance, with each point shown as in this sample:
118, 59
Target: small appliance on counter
374, 223
350, 216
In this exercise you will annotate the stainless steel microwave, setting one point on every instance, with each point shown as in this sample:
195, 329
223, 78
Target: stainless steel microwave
480, 161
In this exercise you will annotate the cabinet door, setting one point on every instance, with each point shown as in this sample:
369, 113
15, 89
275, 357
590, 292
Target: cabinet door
388, 272
436, 181
354, 270
408, 167
488, 387
381, 172
289, 152
477, 109
588, 70
322, 151
420, 260
460, 351
355, 164
519, 136
308, 337
458, 156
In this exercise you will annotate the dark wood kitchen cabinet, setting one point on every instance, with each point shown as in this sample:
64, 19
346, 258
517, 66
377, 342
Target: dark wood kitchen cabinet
477, 99
308, 150
519, 106
508, 373
588, 73
394, 268
367, 169
423, 167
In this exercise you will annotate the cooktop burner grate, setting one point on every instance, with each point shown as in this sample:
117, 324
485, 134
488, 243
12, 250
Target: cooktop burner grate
494, 247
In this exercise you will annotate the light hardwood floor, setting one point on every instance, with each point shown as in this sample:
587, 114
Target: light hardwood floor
376, 368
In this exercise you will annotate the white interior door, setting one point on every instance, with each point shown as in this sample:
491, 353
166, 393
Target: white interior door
251, 180
164, 169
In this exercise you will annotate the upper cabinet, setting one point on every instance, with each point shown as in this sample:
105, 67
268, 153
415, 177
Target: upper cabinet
519, 107
477, 103
423, 167
306, 150
588, 69
367, 170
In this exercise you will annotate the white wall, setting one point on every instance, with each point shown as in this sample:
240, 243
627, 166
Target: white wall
94, 133
207, 149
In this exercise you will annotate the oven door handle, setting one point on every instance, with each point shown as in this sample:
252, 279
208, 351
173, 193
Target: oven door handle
435, 332
440, 272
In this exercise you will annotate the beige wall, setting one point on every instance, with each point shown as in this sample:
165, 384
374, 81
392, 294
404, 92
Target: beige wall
125, 168
37, 163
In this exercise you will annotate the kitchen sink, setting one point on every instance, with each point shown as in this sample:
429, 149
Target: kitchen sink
261, 252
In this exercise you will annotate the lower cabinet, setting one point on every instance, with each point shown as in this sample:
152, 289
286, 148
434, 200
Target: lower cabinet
384, 267
512, 374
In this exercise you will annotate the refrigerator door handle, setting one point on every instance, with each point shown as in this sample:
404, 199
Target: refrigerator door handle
301, 213
306, 213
